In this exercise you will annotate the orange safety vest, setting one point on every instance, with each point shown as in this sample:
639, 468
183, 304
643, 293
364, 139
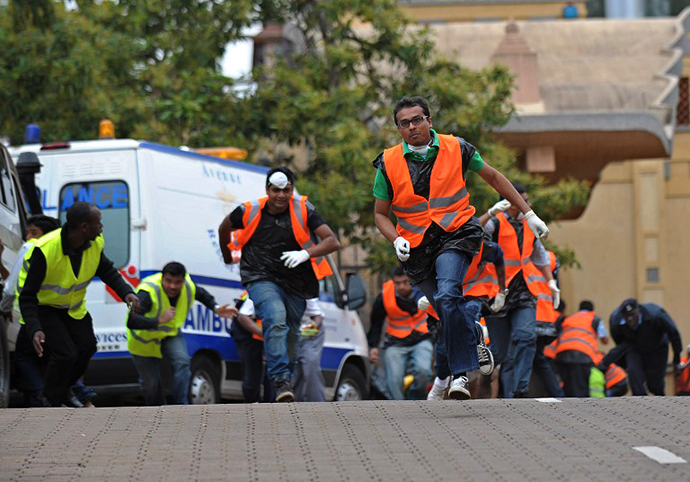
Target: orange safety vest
545, 310
550, 350
298, 220
449, 202
614, 374
683, 380
578, 335
400, 323
244, 296
480, 283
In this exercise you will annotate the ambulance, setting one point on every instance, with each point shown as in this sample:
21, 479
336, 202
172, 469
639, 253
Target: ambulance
162, 204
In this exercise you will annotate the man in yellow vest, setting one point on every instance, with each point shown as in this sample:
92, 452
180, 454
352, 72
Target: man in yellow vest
283, 242
155, 332
52, 299
422, 181
407, 342
577, 349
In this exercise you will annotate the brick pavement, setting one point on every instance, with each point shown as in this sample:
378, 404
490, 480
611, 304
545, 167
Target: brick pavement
497, 440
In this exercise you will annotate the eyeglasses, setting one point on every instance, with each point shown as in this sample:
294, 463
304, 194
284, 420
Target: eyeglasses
404, 124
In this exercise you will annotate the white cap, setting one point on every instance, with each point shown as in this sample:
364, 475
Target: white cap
278, 179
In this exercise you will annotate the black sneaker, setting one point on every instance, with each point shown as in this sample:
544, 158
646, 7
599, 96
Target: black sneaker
459, 389
284, 392
486, 358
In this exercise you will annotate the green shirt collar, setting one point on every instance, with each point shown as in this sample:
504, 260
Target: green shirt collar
434, 143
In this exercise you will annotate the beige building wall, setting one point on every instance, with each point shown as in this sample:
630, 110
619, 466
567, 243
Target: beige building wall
436, 12
633, 240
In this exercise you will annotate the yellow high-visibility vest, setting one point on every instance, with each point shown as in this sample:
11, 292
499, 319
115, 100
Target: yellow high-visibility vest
148, 342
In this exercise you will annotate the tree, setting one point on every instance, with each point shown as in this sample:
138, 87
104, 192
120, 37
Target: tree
335, 89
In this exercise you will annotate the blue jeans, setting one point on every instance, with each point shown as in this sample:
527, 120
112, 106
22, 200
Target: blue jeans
280, 313
397, 358
473, 308
174, 349
513, 343
542, 368
444, 292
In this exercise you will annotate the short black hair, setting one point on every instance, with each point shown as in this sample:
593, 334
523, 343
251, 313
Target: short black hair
45, 223
285, 170
406, 102
79, 213
398, 271
174, 268
518, 187
586, 305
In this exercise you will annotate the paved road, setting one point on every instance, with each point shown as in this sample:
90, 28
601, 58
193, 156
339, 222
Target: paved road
494, 440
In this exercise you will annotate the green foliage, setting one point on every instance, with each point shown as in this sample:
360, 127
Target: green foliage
152, 67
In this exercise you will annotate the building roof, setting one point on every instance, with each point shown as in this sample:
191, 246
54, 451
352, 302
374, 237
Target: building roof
593, 75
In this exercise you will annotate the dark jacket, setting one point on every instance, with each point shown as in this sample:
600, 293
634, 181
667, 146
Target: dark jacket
656, 328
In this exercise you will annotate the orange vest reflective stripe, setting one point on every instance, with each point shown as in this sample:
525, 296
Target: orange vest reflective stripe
487, 340
480, 283
449, 202
579, 335
255, 336
550, 350
400, 322
298, 220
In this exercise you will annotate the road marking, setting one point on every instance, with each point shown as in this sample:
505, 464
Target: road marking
660, 455
548, 400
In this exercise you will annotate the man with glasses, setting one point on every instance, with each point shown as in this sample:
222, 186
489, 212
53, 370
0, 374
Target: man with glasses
277, 236
422, 181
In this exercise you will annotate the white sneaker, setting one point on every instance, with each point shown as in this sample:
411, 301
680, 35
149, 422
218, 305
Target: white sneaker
486, 358
459, 390
437, 392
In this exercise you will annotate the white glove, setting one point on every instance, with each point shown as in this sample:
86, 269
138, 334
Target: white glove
537, 226
499, 301
423, 303
499, 207
294, 258
555, 293
402, 248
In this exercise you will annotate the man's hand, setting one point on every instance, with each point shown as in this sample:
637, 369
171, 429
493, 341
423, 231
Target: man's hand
402, 248
168, 315
294, 258
39, 340
678, 369
555, 293
499, 301
537, 226
132, 302
225, 310
499, 207
374, 355
423, 303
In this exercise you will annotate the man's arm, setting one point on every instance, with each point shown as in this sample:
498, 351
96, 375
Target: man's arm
669, 326
112, 278
383, 221
28, 296
136, 321
328, 244
250, 325
207, 299
224, 231
376, 320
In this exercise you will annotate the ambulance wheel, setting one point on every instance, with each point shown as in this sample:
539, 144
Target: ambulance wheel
352, 385
204, 388
4, 366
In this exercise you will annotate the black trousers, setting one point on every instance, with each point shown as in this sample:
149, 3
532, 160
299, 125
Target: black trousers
251, 353
575, 377
649, 368
72, 344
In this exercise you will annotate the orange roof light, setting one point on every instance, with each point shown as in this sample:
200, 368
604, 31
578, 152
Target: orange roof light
232, 153
106, 129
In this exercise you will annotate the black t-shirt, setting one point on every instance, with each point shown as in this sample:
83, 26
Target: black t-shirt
273, 236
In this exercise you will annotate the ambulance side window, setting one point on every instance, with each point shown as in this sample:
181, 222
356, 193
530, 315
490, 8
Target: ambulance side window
112, 198
6, 191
